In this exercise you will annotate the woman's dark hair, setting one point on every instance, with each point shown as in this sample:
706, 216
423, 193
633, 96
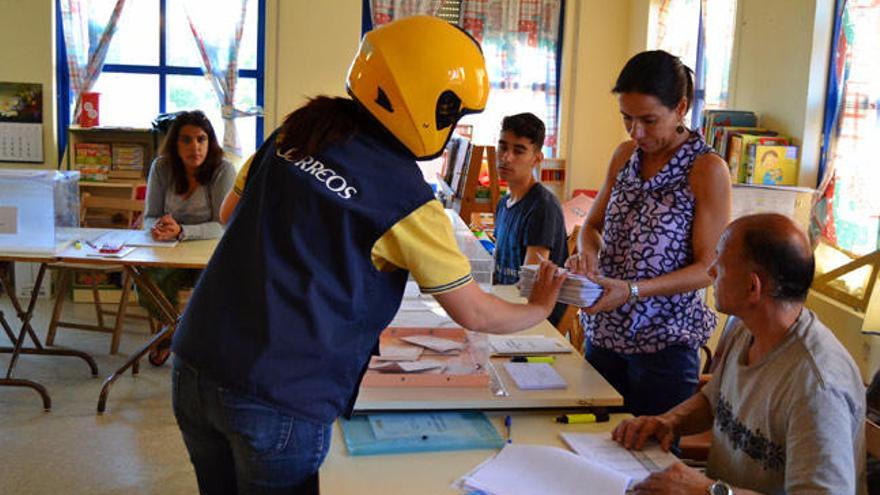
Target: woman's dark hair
657, 73
169, 153
324, 121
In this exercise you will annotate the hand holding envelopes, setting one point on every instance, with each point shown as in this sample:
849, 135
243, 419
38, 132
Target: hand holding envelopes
577, 290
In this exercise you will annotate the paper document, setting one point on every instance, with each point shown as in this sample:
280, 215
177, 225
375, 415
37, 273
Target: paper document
406, 366
122, 253
398, 353
531, 469
535, 376
435, 344
510, 345
130, 238
599, 447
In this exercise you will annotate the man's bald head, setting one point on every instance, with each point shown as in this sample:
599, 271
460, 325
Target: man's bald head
777, 249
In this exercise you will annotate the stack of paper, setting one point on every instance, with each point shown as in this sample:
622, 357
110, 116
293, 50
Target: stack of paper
535, 376
637, 464
524, 345
577, 290
530, 469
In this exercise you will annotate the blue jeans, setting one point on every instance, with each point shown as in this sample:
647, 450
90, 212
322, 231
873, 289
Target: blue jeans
650, 383
239, 444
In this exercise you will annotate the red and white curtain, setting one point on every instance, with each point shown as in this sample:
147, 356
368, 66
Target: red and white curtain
86, 46
217, 27
520, 40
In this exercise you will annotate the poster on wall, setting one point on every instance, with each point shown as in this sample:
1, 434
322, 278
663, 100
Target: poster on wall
21, 122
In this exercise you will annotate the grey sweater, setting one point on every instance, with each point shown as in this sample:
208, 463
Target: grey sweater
198, 215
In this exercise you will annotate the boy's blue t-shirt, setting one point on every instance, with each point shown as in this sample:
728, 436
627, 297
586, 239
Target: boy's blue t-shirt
534, 220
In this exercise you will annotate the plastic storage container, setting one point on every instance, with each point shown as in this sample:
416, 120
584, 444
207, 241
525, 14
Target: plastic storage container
35, 205
482, 263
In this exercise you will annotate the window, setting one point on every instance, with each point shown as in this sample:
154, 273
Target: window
153, 65
521, 42
854, 130
701, 33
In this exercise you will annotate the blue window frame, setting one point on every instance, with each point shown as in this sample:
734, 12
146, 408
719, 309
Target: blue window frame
164, 76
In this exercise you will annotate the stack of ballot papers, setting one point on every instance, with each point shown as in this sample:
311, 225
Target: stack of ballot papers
577, 290
598, 466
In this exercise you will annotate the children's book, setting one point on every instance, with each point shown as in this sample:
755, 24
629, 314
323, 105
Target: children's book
775, 165
738, 160
92, 160
726, 118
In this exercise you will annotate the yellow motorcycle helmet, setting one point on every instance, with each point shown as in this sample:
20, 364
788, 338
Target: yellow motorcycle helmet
418, 76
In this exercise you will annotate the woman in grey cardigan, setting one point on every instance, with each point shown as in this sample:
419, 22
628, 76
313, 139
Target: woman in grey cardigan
187, 184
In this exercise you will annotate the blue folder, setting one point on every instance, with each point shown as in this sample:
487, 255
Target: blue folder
395, 433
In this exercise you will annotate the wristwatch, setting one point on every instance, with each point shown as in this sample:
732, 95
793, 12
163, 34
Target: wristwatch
633, 292
720, 488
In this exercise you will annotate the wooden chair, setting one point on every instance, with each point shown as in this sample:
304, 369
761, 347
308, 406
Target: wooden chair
131, 209
569, 325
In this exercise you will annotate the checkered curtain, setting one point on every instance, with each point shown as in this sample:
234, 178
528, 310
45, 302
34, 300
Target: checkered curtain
848, 211
218, 38
385, 11
520, 40
86, 45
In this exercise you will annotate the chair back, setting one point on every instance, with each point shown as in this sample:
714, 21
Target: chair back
124, 212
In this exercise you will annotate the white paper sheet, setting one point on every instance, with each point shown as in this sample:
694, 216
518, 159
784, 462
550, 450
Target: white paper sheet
599, 447
508, 345
535, 376
435, 344
530, 469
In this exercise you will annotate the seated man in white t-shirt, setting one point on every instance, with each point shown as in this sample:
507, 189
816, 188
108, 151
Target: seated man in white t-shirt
786, 406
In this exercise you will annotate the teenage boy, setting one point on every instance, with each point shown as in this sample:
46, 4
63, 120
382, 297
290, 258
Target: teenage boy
529, 224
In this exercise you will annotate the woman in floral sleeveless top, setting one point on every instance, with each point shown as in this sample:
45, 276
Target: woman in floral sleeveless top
649, 239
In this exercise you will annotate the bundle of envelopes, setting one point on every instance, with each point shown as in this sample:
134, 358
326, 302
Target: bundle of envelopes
577, 290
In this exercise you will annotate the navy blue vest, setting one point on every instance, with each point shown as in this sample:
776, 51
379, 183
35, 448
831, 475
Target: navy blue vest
290, 305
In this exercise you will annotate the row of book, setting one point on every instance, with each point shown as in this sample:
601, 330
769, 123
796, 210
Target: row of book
755, 155
100, 161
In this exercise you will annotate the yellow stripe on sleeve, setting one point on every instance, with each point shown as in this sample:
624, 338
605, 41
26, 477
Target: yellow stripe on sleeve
241, 178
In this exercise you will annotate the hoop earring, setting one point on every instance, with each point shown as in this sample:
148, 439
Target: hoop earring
680, 129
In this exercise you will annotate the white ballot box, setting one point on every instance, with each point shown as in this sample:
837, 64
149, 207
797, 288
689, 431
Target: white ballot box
34, 206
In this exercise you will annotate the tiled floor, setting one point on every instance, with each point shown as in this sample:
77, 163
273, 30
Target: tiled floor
134, 447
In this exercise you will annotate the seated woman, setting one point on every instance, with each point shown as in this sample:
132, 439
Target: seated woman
187, 184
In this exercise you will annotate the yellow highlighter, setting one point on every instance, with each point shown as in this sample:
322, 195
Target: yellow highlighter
533, 359
598, 417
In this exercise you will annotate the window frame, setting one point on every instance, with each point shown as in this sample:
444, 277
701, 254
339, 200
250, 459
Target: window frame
162, 70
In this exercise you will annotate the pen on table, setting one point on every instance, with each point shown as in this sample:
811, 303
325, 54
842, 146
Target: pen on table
598, 417
507, 423
533, 359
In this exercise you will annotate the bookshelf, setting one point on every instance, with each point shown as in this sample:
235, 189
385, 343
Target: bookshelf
136, 146
551, 173
123, 142
467, 201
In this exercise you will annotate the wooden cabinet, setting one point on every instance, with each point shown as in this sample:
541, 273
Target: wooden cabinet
127, 178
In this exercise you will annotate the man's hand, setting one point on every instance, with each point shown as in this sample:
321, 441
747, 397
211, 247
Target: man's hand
633, 433
548, 281
676, 479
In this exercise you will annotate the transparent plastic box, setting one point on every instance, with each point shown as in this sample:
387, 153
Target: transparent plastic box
36, 206
482, 263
